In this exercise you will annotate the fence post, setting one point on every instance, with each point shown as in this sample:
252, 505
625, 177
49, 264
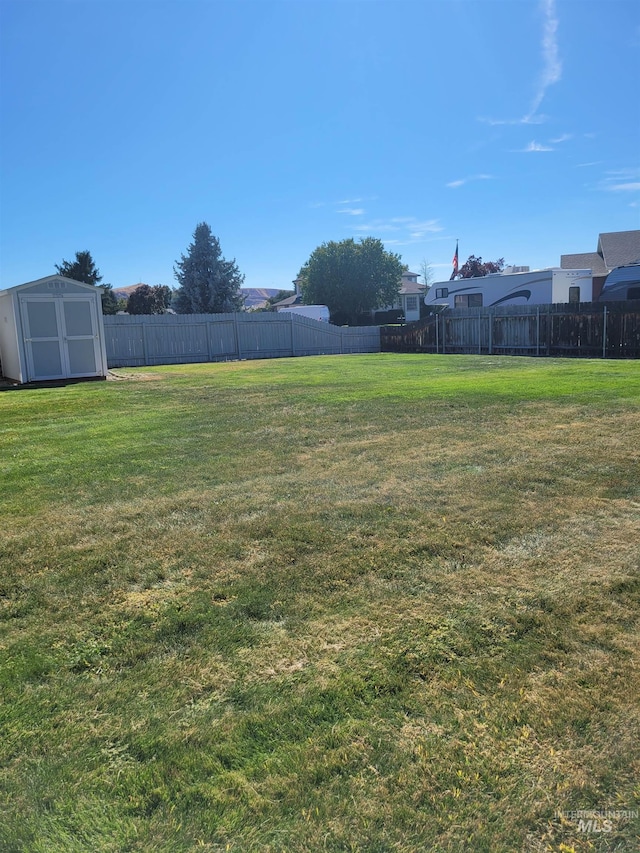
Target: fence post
604, 332
479, 333
237, 331
490, 317
437, 346
145, 351
444, 334
293, 348
538, 330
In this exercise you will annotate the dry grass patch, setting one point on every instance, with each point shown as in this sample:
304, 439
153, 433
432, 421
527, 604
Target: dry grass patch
371, 603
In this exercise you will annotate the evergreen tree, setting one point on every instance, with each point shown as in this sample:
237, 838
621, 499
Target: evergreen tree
209, 284
110, 303
84, 269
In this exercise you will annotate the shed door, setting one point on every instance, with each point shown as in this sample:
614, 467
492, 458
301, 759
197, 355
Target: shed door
61, 337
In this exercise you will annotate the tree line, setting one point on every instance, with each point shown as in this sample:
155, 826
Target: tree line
351, 277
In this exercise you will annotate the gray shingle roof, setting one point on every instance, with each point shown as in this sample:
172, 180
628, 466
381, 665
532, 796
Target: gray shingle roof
585, 261
296, 299
615, 248
619, 247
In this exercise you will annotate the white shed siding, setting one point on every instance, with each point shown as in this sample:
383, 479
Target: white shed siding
53, 330
10, 342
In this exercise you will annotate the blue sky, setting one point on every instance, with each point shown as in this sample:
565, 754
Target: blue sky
513, 125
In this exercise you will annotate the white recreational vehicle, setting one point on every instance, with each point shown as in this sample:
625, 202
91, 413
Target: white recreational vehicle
540, 287
315, 312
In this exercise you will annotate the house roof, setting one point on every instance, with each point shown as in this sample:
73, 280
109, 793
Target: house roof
410, 287
619, 247
615, 248
296, 299
585, 261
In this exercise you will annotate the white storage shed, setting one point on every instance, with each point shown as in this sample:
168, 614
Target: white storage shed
51, 329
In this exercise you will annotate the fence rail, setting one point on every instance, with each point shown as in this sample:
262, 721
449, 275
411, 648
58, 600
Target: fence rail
145, 340
588, 330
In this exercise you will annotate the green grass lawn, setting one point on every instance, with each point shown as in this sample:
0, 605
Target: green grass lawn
349, 603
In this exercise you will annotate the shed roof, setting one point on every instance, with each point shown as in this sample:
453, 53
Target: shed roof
50, 281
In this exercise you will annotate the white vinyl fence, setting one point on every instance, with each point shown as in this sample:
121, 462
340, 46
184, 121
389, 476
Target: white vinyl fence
145, 339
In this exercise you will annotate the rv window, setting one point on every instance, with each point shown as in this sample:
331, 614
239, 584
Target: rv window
442, 292
574, 294
633, 293
468, 300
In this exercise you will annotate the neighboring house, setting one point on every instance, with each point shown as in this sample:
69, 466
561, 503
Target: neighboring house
407, 303
296, 299
615, 249
409, 297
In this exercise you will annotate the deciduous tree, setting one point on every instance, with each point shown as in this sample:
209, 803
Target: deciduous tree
149, 300
209, 284
474, 267
351, 277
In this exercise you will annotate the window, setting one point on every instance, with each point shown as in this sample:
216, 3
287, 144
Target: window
412, 303
468, 300
574, 294
442, 292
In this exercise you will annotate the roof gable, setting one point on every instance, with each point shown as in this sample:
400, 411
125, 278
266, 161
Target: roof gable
54, 284
619, 247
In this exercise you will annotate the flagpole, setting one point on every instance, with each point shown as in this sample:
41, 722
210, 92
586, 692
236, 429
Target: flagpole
455, 261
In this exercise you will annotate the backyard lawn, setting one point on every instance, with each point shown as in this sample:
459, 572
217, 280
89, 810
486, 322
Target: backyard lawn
346, 603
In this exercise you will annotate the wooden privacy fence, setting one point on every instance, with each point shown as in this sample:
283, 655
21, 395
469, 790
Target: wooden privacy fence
145, 339
590, 330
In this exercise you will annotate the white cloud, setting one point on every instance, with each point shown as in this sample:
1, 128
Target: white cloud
400, 230
633, 186
535, 146
562, 138
352, 211
345, 201
495, 122
462, 181
621, 180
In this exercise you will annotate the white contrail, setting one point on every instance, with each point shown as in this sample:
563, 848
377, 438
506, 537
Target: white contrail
552, 70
